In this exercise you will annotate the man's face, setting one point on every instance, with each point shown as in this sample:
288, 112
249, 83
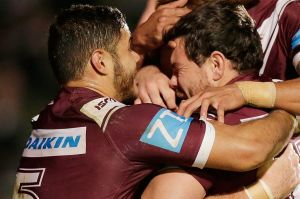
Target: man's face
188, 78
125, 67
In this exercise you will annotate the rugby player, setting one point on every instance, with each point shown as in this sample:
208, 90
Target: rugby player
87, 144
205, 56
278, 24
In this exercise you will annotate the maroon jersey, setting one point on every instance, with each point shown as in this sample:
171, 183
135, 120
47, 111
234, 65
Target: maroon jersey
278, 24
227, 181
84, 145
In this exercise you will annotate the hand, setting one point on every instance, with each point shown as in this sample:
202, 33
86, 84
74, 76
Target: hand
149, 35
220, 98
282, 175
152, 86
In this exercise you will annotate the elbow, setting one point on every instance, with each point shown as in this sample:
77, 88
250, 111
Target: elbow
252, 155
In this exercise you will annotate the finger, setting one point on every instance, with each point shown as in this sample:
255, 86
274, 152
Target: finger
169, 98
173, 4
184, 104
158, 100
168, 22
220, 113
204, 108
170, 13
181, 108
154, 95
192, 107
144, 97
137, 101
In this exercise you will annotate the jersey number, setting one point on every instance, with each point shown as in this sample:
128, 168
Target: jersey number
27, 179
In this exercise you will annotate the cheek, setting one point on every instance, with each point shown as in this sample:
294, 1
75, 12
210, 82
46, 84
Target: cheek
185, 84
129, 62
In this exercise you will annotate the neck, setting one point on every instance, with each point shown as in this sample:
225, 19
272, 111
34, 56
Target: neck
228, 76
97, 86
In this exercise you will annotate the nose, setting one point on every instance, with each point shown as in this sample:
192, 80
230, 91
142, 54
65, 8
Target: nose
173, 82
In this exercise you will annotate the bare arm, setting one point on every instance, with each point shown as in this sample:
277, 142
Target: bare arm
256, 142
231, 97
175, 184
281, 176
288, 95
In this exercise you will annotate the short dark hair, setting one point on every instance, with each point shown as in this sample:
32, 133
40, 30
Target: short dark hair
196, 3
76, 33
192, 4
220, 26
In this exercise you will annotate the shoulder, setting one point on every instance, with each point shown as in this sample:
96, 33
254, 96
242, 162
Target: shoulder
105, 110
290, 18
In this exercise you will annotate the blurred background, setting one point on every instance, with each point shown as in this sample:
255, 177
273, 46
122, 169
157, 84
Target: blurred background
26, 80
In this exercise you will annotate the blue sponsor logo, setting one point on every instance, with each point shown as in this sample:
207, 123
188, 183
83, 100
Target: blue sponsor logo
56, 142
296, 40
167, 130
52, 142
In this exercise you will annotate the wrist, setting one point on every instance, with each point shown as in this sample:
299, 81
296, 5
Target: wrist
259, 190
261, 94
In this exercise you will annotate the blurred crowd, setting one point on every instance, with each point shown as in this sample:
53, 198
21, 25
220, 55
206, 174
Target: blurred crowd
26, 80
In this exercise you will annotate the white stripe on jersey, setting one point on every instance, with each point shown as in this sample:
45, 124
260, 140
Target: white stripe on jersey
101, 109
253, 118
206, 146
269, 30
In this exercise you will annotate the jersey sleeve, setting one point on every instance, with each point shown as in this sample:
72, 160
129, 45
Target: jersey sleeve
154, 135
291, 21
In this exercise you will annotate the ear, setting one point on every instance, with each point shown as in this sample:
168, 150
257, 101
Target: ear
218, 61
100, 61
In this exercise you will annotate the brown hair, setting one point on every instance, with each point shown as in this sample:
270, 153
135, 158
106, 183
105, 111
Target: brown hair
76, 33
196, 3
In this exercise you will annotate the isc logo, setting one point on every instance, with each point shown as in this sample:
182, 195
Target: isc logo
103, 102
167, 130
56, 142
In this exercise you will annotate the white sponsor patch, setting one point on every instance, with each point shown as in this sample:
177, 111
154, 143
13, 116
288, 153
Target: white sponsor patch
56, 142
101, 109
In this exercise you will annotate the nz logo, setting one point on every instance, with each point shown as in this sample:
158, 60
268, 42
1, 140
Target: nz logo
167, 130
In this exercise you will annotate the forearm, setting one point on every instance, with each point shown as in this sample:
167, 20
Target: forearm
240, 194
271, 133
284, 95
276, 179
249, 145
288, 95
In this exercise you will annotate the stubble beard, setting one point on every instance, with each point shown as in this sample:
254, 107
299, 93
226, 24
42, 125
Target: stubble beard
123, 83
